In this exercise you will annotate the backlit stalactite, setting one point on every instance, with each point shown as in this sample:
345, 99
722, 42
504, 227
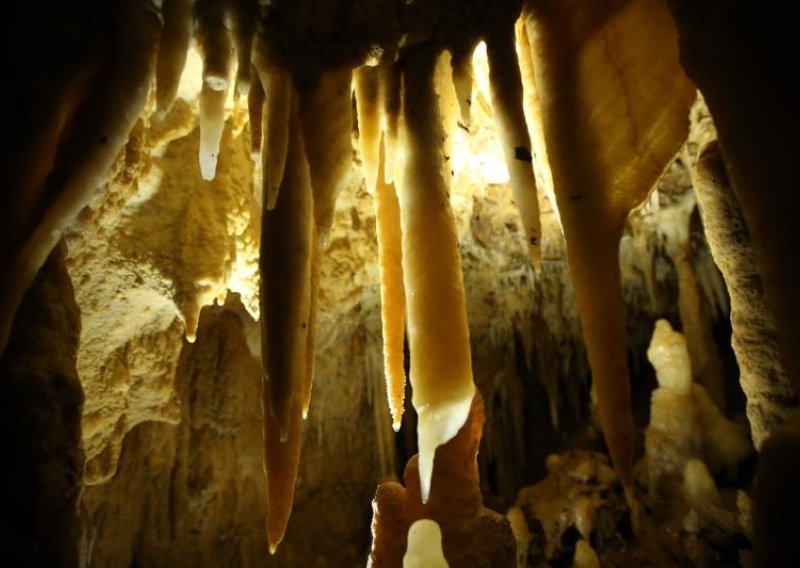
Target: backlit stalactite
286, 253
387, 221
214, 38
770, 397
176, 34
506, 88
615, 109
438, 333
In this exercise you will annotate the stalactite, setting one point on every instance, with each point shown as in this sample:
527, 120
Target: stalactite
462, 81
393, 302
255, 107
390, 97
243, 16
533, 116
214, 38
615, 110
174, 43
275, 137
770, 397
506, 88
438, 333
286, 254
313, 309
366, 90
387, 221
327, 122
98, 131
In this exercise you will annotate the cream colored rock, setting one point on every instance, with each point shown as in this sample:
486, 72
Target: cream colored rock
424, 549
684, 423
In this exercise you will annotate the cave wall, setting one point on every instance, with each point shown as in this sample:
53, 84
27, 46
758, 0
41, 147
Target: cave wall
171, 429
40, 412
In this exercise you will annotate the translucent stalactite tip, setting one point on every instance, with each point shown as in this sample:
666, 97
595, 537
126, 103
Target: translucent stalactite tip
437, 425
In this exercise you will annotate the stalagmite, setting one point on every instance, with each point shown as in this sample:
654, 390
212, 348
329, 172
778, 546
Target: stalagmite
438, 333
770, 397
327, 121
506, 88
175, 36
684, 423
698, 486
285, 264
424, 546
615, 107
214, 38
99, 129
472, 535
387, 222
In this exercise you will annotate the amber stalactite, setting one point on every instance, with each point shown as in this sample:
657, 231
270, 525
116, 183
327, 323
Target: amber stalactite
286, 252
372, 143
438, 332
615, 112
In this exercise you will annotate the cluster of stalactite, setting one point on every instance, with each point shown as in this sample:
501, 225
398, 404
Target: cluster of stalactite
601, 85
